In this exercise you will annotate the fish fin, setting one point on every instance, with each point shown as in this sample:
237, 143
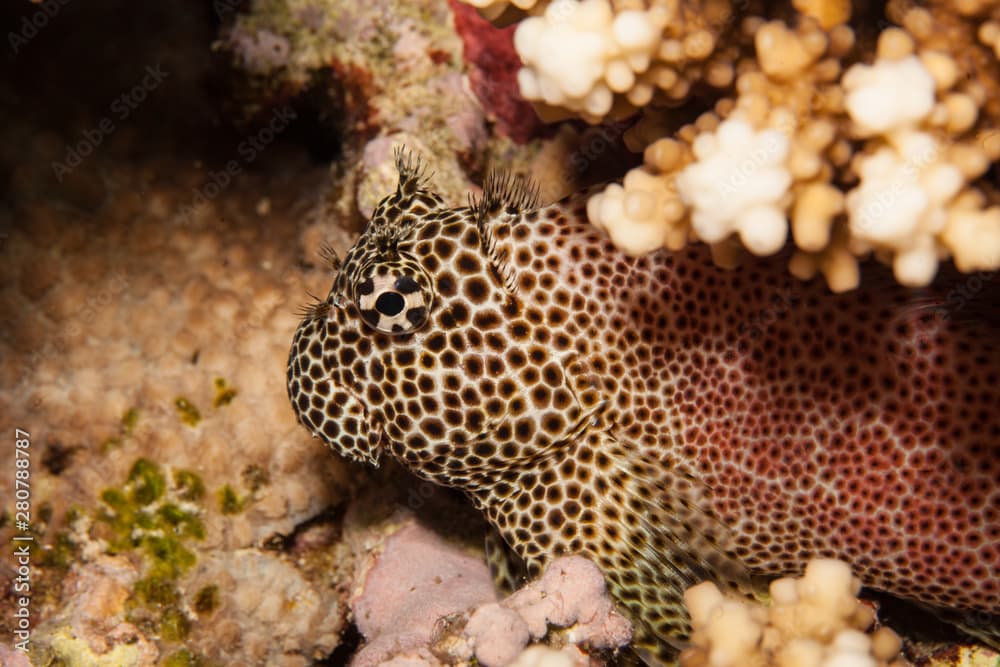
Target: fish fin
982, 626
412, 171
507, 569
645, 524
504, 201
504, 193
672, 539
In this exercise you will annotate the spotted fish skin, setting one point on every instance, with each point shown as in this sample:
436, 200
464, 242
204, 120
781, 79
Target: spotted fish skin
671, 420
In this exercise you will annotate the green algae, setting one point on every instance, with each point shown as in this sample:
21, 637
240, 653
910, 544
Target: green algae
62, 550
254, 478
187, 411
154, 514
183, 523
224, 394
153, 590
126, 427
230, 502
110, 443
129, 420
143, 517
174, 625
148, 482
188, 485
169, 558
182, 658
155, 517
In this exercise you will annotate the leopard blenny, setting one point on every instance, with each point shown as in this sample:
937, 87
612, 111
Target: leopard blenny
671, 420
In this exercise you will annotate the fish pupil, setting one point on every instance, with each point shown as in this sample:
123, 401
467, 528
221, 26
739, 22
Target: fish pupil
389, 304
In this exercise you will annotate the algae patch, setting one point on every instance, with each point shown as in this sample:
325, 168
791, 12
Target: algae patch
224, 394
187, 411
230, 502
254, 478
182, 658
126, 427
156, 515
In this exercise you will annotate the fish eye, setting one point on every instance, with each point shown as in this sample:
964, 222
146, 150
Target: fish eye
394, 299
390, 303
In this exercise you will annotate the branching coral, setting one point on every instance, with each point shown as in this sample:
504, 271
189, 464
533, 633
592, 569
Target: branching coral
852, 148
578, 55
812, 622
600, 59
737, 184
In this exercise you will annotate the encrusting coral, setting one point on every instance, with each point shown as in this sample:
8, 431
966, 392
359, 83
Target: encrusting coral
853, 149
813, 621
570, 594
422, 600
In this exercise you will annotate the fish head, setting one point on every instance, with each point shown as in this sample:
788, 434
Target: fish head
420, 350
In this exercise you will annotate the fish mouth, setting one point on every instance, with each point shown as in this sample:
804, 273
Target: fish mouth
332, 411
348, 426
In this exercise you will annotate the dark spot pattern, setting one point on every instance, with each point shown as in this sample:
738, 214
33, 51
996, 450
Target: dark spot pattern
670, 420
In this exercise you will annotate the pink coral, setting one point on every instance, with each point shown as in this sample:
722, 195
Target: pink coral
570, 594
423, 599
417, 579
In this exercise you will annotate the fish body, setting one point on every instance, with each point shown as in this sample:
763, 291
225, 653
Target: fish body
668, 419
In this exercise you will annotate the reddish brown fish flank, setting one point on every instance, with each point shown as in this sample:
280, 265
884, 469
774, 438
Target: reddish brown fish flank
848, 426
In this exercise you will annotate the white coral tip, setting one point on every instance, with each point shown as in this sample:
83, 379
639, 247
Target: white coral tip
763, 230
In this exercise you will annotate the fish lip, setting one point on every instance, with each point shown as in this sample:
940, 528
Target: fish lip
374, 435
367, 446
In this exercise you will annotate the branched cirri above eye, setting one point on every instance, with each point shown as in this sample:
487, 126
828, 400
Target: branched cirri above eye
394, 297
